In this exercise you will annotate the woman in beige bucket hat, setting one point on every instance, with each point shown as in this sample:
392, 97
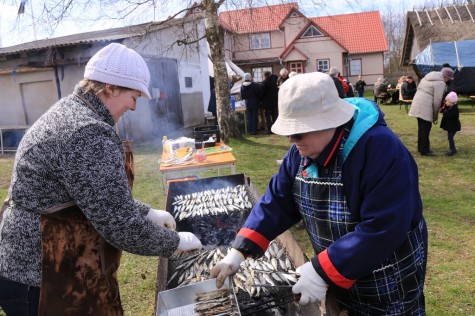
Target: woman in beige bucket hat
355, 185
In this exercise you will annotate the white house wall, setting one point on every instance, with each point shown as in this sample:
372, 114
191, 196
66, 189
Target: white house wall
32, 92
192, 62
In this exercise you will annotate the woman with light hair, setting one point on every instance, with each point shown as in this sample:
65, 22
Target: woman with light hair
284, 75
334, 74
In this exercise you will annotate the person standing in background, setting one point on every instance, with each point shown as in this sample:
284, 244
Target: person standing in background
426, 105
335, 74
360, 84
250, 93
450, 121
284, 75
408, 88
269, 93
350, 93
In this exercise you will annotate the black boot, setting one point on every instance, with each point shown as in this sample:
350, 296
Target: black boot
451, 152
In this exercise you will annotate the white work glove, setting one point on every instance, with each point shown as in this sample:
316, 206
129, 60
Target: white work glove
161, 218
310, 285
226, 267
188, 241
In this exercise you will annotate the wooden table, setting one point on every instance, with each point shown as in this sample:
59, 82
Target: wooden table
242, 110
216, 160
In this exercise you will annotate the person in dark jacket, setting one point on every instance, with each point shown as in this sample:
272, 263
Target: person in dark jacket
269, 92
351, 92
359, 86
408, 88
212, 100
334, 74
356, 187
250, 93
450, 120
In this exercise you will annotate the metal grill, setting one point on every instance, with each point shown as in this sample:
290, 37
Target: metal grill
218, 232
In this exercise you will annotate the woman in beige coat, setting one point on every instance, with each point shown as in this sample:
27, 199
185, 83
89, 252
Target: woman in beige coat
426, 103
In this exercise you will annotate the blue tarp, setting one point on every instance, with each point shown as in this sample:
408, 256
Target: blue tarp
460, 55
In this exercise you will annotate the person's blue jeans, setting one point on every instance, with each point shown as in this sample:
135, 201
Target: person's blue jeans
18, 299
360, 93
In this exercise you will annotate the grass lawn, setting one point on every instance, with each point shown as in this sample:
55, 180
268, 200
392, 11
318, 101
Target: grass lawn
447, 185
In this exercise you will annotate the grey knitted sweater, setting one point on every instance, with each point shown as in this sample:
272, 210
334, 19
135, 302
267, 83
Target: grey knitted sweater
74, 154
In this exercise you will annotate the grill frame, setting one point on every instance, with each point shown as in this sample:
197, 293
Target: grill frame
286, 239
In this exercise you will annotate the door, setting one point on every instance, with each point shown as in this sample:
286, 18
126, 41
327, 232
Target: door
166, 100
37, 97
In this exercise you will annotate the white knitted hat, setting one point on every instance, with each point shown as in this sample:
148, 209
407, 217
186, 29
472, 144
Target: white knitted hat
121, 66
310, 102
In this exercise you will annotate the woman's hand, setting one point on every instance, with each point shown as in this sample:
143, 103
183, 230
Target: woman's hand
161, 218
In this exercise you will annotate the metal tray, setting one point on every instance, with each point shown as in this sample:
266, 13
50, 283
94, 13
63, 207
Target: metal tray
181, 301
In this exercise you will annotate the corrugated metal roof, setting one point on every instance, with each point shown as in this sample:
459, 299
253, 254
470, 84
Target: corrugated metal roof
108, 35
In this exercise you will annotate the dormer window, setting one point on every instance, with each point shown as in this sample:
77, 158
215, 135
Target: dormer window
312, 31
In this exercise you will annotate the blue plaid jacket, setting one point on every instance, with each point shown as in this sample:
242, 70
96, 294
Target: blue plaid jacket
380, 180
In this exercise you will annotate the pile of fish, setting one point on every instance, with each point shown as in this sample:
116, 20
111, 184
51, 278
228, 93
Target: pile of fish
211, 202
220, 302
273, 268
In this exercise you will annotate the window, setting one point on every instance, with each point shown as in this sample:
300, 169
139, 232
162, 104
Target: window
257, 73
261, 40
311, 32
355, 67
323, 65
188, 82
294, 15
296, 66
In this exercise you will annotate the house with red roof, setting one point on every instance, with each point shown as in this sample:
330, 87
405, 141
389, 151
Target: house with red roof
280, 36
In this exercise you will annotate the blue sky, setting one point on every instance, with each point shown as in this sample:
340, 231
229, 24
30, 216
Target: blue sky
16, 29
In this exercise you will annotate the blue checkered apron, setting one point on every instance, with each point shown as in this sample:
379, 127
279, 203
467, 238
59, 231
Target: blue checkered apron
396, 287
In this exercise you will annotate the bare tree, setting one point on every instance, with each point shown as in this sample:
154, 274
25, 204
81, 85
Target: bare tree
215, 36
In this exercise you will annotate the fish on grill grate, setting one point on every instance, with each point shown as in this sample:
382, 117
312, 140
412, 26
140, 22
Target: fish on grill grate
193, 266
211, 202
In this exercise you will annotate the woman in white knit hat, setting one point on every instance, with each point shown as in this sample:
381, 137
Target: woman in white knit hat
355, 185
70, 208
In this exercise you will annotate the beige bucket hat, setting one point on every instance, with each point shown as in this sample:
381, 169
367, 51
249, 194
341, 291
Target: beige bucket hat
310, 102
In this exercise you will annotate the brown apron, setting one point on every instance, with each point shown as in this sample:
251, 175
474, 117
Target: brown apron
79, 268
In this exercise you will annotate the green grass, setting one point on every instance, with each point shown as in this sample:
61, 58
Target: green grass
447, 185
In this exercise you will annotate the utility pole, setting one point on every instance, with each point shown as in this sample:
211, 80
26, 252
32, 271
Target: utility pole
33, 20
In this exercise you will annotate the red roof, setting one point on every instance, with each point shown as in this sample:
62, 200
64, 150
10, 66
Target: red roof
356, 32
255, 20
